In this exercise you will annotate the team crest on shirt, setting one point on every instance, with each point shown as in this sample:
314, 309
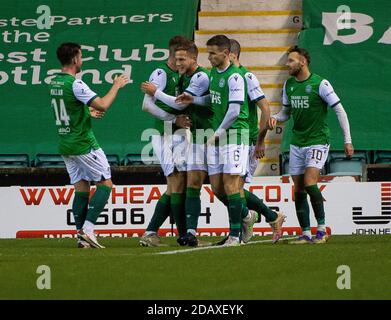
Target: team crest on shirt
308, 89
221, 83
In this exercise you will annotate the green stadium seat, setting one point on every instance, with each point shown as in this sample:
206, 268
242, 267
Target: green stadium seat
14, 161
113, 160
49, 161
382, 157
339, 164
132, 159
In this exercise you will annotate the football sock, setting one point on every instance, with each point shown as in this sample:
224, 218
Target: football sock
244, 212
256, 204
178, 211
302, 210
192, 207
307, 233
223, 199
321, 227
234, 211
97, 203
317, 203
80, 207
161, 213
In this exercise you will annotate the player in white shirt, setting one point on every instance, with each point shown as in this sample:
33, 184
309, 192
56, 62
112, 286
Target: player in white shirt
195, 82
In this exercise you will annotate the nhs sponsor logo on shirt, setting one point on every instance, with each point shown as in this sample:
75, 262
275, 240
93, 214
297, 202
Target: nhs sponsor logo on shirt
300, 102
215, 97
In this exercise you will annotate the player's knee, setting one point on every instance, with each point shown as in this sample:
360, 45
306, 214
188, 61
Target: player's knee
309, 182
107, 183
217, 190
231, 189
194, 182
178, 186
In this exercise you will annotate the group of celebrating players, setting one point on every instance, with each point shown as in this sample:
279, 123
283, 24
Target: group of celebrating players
206, 126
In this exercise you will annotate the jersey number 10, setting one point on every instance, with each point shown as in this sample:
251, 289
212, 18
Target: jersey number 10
62, 115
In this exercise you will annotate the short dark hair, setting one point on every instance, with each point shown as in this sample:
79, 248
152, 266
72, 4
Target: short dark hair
235, 47
188, 46
67, 51
221, 41
301, 51
175, 42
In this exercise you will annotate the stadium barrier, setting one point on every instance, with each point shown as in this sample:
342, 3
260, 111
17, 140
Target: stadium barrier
45, 211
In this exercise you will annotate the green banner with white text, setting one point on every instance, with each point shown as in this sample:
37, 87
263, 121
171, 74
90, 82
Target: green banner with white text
350, 45
121, 36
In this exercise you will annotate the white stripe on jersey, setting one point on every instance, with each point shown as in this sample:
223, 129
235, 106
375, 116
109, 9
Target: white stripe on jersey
82, 92
199, 84
254, 90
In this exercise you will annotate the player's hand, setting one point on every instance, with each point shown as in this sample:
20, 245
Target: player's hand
349, 150
120, 81
184, 99
259, 152
148, 88
271, 123
96, 114
183, 121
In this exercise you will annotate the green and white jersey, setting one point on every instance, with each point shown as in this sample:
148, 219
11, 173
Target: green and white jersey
166, 80
254, 94
70, 98
308, 101
227, 87
201, 117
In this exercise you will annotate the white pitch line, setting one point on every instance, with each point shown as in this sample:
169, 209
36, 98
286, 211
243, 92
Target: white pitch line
218, 247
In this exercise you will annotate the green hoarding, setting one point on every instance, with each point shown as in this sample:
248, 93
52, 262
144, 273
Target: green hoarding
117, 36
350, 45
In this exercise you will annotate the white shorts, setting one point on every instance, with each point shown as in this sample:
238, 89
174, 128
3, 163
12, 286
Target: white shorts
171, 150
228, 158
196, 158
251, 165
301, 158
92, 166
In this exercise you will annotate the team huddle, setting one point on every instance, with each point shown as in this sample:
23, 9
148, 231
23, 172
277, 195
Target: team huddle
219, 108
206, 125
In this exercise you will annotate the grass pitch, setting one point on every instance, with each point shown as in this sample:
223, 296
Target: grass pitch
124, 270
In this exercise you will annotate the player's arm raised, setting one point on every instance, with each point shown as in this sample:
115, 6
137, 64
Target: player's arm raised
150, 89
188, 99
158, 80
104, 103
95, 113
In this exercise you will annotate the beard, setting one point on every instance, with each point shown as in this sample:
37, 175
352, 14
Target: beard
295, 71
